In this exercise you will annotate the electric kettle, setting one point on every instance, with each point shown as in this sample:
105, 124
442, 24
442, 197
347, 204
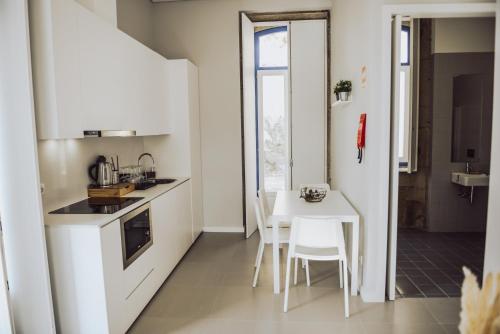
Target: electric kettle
101, 172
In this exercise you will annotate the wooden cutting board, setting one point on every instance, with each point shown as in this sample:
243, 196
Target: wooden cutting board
116, 190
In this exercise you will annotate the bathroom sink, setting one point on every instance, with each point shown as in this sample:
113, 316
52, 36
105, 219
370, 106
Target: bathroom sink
470, 180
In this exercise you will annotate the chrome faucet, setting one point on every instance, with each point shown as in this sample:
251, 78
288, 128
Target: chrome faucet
468, 168
152, 172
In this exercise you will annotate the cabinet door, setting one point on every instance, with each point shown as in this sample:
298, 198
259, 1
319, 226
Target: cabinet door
172, 226
165, 233
127, 290
123, 83
185, 218
56, 69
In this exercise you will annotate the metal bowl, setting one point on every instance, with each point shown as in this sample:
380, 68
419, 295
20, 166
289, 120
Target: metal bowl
312, 194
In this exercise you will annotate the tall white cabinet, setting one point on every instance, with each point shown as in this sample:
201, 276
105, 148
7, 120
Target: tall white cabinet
179, 153
88, 75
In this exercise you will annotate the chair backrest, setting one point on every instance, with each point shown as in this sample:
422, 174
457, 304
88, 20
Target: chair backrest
264, 203
317, 186
260, 218
313, 232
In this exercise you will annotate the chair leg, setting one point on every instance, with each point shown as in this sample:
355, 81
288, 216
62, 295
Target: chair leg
287, 282
341, 274
260, 253
308, 278
295, 271
346, 291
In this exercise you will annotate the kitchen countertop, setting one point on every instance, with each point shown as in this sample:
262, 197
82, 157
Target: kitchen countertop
100, 220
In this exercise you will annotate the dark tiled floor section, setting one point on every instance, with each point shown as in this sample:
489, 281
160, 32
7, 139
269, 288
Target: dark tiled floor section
430, 264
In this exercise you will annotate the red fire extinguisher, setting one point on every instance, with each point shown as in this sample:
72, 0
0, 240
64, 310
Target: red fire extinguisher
361, 136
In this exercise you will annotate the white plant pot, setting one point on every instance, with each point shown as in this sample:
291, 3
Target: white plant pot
343, 96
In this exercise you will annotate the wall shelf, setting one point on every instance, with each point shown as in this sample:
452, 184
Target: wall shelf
340, 103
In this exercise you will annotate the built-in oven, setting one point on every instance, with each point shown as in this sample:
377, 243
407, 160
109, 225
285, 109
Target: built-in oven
137, 234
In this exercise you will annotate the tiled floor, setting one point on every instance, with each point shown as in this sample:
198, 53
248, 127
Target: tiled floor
210, 292
430, 264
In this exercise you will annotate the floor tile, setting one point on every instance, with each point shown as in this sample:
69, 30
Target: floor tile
444, 310
406, 288
408, 311
405, 329
431, 290
433, 261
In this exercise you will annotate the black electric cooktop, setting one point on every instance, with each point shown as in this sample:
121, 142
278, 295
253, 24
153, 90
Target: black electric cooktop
98, 205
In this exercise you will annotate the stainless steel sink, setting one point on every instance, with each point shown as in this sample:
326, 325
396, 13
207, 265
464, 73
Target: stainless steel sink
164, 181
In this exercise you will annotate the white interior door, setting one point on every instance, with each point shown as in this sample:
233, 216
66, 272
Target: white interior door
308, 101
394, 163
6, 319
250, 141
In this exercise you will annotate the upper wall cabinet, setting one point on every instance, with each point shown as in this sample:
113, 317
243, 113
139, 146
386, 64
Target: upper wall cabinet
88, 75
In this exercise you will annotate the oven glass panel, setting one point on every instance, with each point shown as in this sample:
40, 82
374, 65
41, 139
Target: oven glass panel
137, 233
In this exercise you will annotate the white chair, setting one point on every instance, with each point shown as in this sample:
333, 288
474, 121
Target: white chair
266, 211
305, 264
318, 239
266, 238
264, 224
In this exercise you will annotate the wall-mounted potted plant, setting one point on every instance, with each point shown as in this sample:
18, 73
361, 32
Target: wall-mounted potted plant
343, 90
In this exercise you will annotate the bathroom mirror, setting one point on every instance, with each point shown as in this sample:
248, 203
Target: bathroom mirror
471, 112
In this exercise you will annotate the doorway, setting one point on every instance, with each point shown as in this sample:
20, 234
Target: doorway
285, 103
442, 104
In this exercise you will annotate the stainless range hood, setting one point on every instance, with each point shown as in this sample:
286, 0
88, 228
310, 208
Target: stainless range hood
108, 133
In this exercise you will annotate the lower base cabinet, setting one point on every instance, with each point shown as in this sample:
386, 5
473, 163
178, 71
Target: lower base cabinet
92, 291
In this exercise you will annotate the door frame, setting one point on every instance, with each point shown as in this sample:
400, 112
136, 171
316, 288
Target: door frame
280, 17
6, 314
390, 198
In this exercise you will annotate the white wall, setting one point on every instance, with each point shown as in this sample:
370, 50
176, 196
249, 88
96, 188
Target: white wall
20, 201
356, 42
492, 248
455, 35
106, 9
207, 33
64, 163
135, 19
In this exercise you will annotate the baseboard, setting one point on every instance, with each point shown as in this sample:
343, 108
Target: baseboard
223, 229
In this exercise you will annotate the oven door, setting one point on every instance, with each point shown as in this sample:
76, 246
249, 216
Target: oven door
136, 233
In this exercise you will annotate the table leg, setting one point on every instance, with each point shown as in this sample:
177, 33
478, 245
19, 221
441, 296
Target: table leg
276, 257
354, 259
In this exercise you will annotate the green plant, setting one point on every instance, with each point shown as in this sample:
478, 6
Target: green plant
343, 86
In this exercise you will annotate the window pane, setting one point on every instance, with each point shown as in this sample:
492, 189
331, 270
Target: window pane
273, 51
402, 112
275, 132
405, 46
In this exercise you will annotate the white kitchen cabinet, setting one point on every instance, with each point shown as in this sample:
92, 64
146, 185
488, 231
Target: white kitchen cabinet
88, 75
92, 291
171, 214
185, 143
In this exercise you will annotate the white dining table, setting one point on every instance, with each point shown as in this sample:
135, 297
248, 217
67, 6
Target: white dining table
288, 205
